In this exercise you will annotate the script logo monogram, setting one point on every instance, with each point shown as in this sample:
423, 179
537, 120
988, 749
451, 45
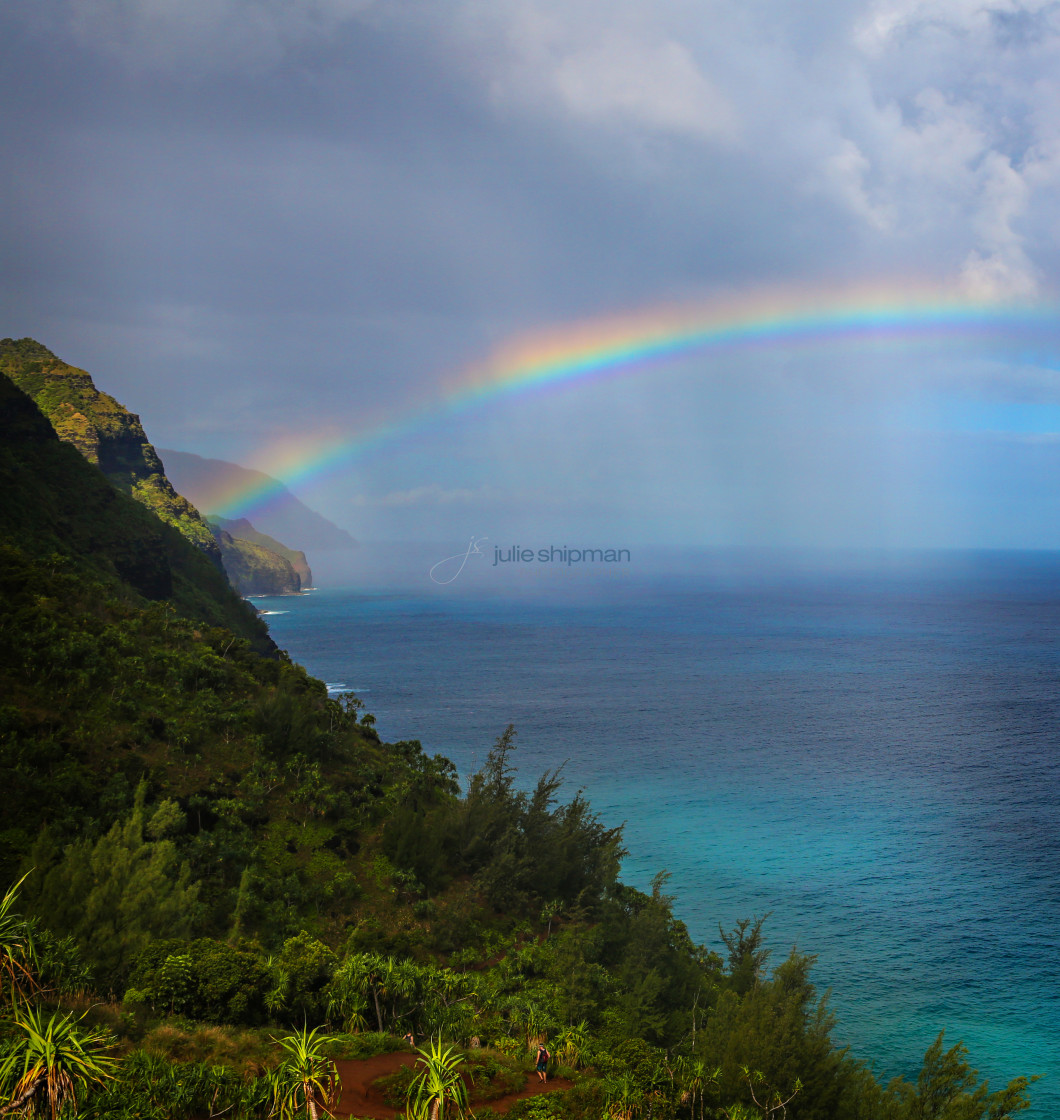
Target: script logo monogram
472, 550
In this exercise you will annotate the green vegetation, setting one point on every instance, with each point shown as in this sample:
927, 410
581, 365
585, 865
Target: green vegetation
229, 880
111, 438
305, 1081
253, 569
240, 529
107, 434
438, 1090
57, 512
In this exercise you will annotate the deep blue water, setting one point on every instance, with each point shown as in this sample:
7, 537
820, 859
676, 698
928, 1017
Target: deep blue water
871, 756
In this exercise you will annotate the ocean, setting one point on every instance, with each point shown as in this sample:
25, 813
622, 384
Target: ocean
864, 748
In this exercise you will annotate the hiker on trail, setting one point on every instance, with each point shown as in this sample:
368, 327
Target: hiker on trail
410, 1040
542, 1062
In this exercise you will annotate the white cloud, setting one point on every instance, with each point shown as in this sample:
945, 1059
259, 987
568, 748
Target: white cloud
845, 173
617, 65
655, 85
1000, 267
891, 20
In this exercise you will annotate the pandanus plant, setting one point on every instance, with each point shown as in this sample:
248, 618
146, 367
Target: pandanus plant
50, 1061
438, 1085
17, 955
305, 1083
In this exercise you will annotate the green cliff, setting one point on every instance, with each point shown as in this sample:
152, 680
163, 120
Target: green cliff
253, 569
242, 530
54, 506
106, 433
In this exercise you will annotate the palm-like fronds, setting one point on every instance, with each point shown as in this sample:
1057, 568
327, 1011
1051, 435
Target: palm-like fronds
438, 1083
572, 1045
17, 955
49, 1063
305, 1083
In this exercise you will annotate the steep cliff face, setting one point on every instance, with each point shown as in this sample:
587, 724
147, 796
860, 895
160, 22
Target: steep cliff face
242, 530
106, 434
55, 507
255, 570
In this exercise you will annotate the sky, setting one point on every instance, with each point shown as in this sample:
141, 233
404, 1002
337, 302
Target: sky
269, 226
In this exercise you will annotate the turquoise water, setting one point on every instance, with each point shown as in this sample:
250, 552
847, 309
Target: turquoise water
872, 758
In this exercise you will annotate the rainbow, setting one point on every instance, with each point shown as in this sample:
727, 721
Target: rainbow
640, 341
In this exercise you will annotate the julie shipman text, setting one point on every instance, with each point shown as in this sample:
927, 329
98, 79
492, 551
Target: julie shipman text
564, 555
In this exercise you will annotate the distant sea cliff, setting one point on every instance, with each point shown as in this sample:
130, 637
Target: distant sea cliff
112, 438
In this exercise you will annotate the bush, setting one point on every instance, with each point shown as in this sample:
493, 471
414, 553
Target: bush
204, 979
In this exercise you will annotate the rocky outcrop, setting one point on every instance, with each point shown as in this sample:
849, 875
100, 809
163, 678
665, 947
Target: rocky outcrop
242, 530
106, 433
255, 570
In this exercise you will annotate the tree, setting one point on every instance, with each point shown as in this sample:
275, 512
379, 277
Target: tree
623, 1098
303, 971
117, 894
747, 957
439, 1083
49, 1063
770, 1101
305, 1083
946, 1089
694, 1076
572, 1045
348, 995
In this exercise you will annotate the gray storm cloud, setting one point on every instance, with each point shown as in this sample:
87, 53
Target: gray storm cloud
314, 209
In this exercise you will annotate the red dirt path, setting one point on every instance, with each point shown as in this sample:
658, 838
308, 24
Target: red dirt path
361, 1099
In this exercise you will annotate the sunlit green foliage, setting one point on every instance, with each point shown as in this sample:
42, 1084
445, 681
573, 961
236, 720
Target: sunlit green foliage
50, 1061
18, 952
438, 1090
107, 434
305, 1082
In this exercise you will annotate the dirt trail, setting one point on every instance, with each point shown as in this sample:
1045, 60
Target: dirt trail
361, 1099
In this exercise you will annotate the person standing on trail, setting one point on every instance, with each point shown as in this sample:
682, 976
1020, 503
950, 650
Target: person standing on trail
542, 1061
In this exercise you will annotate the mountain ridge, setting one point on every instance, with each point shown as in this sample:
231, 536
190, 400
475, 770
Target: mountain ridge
111, 438
106, 433
206, 480
242, 530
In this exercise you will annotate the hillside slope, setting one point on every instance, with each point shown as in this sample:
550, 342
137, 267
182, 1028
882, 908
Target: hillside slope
125, 657
105, 432
53, 503
242, 530
254, 569
219, 488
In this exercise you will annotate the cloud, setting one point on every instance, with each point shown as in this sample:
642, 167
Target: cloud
204, 35
889, 21
845, 176
656, 86
431, 495
1000, 268
299, 210
609, 67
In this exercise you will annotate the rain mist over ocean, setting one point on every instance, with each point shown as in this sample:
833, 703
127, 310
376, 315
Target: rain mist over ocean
864, 749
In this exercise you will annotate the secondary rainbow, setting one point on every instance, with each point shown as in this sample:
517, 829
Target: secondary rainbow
640, 342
